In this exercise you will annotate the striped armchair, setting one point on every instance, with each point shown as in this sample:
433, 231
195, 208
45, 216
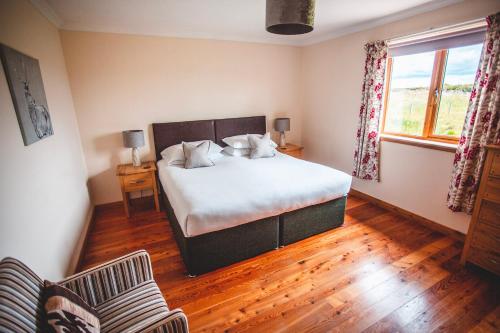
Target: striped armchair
122, 291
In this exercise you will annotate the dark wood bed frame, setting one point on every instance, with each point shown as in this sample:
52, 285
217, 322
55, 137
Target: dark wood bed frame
216, 249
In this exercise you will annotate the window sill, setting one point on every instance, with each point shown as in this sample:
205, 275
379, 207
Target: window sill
449, 147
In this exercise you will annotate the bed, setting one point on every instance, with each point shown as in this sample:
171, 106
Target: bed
241, 207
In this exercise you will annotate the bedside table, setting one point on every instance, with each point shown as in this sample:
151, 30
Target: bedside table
292, 150
137, 179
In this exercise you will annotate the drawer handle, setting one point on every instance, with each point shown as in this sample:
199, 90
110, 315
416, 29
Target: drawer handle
139, 181
494, 261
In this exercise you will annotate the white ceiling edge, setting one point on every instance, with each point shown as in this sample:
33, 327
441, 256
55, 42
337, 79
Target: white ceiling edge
425, 8
227, 38
47, 10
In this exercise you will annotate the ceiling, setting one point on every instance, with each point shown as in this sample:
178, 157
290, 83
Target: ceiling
240, 20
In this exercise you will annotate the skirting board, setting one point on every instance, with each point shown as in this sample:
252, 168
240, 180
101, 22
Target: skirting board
89, 225
412, 216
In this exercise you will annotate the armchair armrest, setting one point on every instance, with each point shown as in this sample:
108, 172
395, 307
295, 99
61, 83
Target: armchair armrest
100, 283
174, 321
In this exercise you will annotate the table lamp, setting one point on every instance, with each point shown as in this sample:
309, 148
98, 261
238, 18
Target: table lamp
281, 125
134, 139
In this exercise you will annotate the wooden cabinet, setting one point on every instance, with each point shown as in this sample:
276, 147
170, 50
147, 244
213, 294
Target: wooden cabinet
137, 179
482, 245
292, 150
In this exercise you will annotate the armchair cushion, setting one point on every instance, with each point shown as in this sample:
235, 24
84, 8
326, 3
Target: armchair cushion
133, 310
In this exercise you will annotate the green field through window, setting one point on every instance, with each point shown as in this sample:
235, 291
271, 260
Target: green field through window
409, 91
461, 66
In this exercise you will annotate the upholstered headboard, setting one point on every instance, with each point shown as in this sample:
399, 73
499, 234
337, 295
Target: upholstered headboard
237, 126
168, 134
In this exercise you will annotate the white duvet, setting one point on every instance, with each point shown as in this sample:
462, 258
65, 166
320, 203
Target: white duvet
239, 190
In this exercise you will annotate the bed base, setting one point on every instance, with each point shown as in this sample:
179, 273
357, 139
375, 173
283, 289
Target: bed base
312, 220
207, 252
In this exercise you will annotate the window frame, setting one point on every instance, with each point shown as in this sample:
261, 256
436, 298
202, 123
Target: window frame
433, 100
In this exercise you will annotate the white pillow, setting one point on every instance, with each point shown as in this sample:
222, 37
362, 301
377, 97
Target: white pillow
197, 155
237, 141
241, 141
260, 147
236, 151
174, 155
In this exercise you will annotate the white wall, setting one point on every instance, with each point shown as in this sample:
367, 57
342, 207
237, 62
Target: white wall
412, 178
122, 82
43, 195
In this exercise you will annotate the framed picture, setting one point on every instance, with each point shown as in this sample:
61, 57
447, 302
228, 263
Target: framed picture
26, 88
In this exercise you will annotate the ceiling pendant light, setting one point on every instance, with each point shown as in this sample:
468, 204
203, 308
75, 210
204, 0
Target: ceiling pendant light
289, 17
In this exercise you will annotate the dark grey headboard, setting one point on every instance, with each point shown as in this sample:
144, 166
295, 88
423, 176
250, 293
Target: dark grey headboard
237, 126
168, 134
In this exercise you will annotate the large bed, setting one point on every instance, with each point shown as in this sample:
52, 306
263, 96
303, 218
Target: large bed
241, 207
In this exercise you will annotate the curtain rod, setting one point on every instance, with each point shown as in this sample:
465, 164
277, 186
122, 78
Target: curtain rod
473, 25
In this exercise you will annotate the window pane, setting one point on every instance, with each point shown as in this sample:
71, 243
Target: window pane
409, 92
460, 71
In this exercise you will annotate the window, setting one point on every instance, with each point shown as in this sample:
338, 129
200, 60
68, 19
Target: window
427, 93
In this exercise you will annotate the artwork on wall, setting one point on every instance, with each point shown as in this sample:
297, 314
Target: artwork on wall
26, 88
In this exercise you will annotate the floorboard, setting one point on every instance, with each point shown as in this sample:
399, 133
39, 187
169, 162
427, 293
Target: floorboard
379, 272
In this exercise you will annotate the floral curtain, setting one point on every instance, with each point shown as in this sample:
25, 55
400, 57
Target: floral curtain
481, 125
366, 165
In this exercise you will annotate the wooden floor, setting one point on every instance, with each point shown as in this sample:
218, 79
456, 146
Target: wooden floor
377, 273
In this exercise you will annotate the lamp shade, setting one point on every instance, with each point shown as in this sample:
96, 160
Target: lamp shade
133, 138
289, 17
282, 124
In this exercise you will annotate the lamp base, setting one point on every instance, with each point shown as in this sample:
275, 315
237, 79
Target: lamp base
136, 158
282, 140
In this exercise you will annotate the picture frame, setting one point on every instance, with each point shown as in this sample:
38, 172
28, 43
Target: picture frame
28, 94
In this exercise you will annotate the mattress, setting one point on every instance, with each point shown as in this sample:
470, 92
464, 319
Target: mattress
240, 190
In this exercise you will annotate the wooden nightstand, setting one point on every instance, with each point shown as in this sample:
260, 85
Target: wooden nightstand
292, 150
137, 179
